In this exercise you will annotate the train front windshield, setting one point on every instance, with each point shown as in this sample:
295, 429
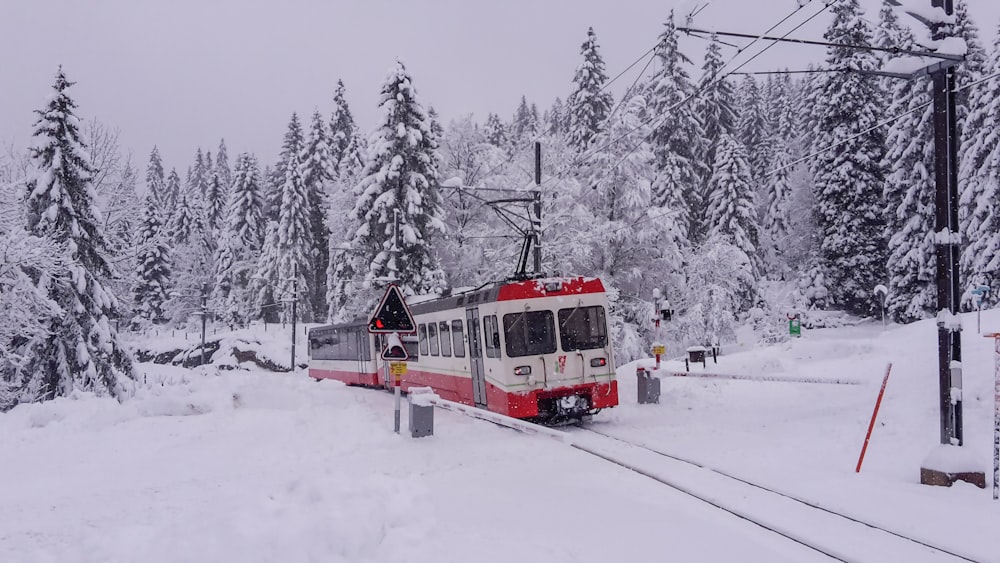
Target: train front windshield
583, 328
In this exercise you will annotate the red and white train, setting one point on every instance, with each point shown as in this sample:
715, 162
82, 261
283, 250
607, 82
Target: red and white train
536, 349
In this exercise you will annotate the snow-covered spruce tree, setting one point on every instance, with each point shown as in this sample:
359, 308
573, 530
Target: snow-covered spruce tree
28, 311
173, 192
496, 133
524, 125
973, 67
980, 193
752, 126
215, 206
677, 138
400, 177
629, 243
80, 349
732, 213
849, 180
292, 144
909, 199
719, 278
222, 167
295, 241
156, 184
717, 105
185, 224
318, 172
264, 282
153, 262
342, 127
555, 120
240, 244
589, 106
778, 187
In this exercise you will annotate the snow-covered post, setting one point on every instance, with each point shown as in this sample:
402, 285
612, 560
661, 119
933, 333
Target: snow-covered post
980, 291
658, 347
996, 412
882, 292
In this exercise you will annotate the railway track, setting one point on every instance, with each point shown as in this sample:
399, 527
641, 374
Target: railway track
839, 536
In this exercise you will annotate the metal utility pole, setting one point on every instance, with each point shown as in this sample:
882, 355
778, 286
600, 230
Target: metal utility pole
947, 244
204, 318
295, 302
536, 215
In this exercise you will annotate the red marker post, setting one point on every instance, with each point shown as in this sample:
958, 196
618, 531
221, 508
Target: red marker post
871, 424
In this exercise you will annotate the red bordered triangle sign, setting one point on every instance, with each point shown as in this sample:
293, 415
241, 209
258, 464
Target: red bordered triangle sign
392, 314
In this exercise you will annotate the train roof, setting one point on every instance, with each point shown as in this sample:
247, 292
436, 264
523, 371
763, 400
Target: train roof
496, 291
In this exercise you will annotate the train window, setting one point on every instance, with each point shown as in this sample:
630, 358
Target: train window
491, 333
422, 331
530, 333
432, 338
457, 340
412, 347
583, 328
445, 334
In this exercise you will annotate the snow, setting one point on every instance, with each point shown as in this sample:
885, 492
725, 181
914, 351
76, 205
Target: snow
206, 465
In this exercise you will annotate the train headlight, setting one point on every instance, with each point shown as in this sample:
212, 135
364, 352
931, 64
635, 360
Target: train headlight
598, 362
522, 370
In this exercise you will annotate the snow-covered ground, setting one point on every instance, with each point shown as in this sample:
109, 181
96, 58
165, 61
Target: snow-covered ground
250, 466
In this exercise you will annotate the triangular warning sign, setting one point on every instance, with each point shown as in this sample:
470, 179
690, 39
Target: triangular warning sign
392, 314
394, 349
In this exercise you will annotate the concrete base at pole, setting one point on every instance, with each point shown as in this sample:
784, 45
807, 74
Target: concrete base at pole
421, 419
947, 465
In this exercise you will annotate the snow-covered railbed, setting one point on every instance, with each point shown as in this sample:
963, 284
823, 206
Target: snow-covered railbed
831, 533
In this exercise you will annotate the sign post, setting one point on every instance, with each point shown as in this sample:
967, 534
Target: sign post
393, 317
980, 292
996, 412
882, 292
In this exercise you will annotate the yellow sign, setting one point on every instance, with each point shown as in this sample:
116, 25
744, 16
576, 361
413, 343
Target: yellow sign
660, 349
397, 368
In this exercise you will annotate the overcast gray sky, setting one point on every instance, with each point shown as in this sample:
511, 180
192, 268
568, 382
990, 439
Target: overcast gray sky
184, 73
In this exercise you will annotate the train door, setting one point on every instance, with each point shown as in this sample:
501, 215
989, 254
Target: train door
476, 357
361, 344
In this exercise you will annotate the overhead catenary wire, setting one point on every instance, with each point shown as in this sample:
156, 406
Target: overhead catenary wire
655, 122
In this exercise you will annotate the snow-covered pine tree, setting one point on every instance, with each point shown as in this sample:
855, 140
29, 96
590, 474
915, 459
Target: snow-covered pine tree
732, 212
81, 349
717, 104
849, 180
318, 172
295, 241
496, 133
264, 283
400, 177
240, 243
222, 167
342, 127
155, 182
153, 261
524, 126
677, 138
752, 126
215, 206
185, 225
975, 59
589, 105
980, 193
909, 192
292, 144
555, 119
778, 186
197, 180
173, 192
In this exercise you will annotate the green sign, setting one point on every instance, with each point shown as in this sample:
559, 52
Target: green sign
795, 327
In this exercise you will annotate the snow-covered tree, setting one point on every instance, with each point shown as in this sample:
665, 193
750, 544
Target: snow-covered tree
980, 192
155, 181
222, 167
849, 180
555, 120
185, 225
216, 198
732, 213
318, 173
717, 105
909, 192
589, 105
173, 191
677, 136
400, 178
295, 241
524, 125
342, 127
752, 126
240, 243
80, 349
153, 261
264, 283
496, 133
719, 279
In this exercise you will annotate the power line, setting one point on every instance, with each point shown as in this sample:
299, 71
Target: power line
874, 127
